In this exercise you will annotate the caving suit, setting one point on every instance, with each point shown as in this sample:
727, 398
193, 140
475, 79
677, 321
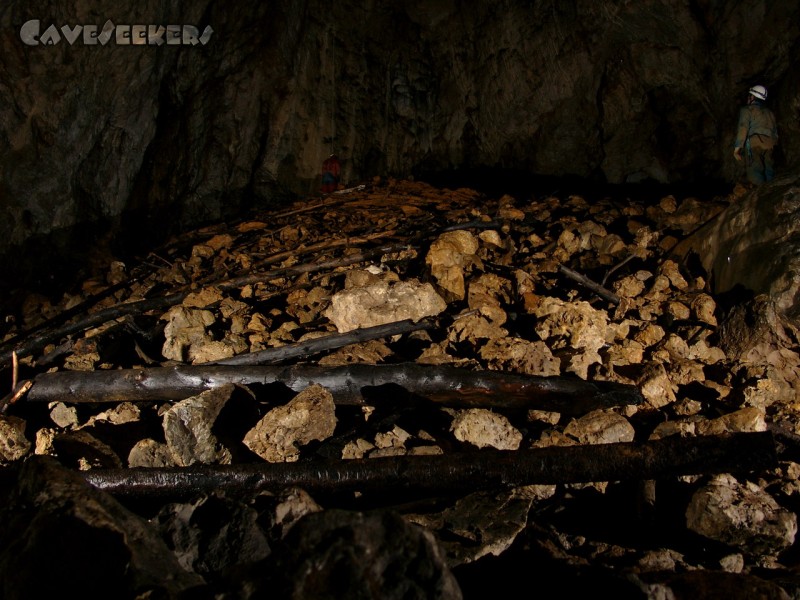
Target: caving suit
330, 174
757, 135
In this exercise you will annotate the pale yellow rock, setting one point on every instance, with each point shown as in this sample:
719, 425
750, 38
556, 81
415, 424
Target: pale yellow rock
309, 416
449, 256
185, 328
629, 286
203, 352
656, 386
600, 427
678, 311
649, 335
490, 237
397, 437
671, 271
13, 443
629, 352
544, 416
203, 298
683, 428
381, 302
473, 328
484, 428
676, 346
749, 419
574, 325
357, 449
703, 307
685, 372
706, 354
520, 356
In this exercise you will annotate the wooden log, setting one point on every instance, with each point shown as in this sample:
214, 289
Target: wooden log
588, 283
272, 356
309, 267
450, 386
38, 342
456, 473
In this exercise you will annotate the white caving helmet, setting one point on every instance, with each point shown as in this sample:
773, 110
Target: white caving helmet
758, 91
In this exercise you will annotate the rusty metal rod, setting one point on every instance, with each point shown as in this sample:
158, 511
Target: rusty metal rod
454, 473
451, 386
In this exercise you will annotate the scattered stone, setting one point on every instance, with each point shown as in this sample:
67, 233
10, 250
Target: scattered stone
188, 428
149, 453
484, 428
13, 443
741, 515
309, 416
449, 257
360, 555
601, 427
64, 416
381, 302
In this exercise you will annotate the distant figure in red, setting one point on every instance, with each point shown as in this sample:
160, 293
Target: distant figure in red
330, 174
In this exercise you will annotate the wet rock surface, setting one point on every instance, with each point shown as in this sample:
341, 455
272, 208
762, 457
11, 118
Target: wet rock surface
269, 283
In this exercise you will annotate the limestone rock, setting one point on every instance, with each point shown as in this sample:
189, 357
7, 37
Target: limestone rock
600, 427
309, 416
484, 428
108, 547
186, 329
574, 325
149, 453
741, 515
381, 302
13, 443
188, 428
520, 356
449, 256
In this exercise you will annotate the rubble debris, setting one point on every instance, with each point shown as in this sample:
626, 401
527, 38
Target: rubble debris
13, 443
309, 416
188, 428
51, 515
565, 320
741, 515
485, 429
381, 302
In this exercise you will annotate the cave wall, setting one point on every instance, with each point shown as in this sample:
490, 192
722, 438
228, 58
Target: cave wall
171, 136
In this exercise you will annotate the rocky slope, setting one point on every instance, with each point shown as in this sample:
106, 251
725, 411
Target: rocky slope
560, 288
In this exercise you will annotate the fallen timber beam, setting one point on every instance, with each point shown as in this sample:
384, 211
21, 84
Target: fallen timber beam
598, 289
39, 341
459, 472
272, 356
451, 386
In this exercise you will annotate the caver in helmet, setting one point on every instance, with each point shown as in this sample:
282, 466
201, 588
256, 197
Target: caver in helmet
758, 91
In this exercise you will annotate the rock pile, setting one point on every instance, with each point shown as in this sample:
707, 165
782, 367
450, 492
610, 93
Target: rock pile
556, 287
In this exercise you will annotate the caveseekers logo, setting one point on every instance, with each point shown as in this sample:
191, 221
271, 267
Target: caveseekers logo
122, 35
